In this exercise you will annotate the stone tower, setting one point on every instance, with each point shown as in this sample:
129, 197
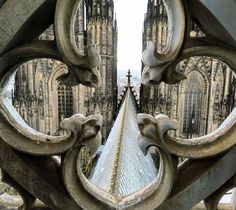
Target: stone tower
201, 102
102, 31
122, 168
43, 101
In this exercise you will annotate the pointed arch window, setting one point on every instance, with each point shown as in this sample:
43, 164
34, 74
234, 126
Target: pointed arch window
192, 106
65, 101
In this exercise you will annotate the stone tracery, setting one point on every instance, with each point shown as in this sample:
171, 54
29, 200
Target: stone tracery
85, 131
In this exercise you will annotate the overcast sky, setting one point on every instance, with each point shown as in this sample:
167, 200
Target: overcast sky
130, 16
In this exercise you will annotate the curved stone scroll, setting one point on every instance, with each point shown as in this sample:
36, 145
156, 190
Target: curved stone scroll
154, 129
82, 69
218, 141
85, 129
64, 32
92, 140
88, 196
222, 138
155, 64
14, 131
202, 47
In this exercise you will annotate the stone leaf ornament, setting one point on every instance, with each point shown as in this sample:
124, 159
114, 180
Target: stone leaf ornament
82, 70
155, 133
86, 131
85, 66
156, 64
89, 196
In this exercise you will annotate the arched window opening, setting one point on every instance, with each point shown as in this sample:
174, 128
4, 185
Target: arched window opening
192, 107
65, 101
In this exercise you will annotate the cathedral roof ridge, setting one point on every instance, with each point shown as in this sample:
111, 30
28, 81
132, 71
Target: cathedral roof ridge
128, 87
115, 171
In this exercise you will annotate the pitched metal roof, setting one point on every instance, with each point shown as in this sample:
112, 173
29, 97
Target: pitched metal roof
122, 168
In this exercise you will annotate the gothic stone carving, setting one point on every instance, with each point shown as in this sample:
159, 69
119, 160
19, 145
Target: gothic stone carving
40, 176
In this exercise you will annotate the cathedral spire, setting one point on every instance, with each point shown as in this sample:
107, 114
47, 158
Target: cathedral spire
129, 77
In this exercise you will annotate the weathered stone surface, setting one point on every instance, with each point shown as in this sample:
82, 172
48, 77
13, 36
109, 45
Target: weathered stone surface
216, 18
2, 2
156, 64
197, 179
23, 21
220, 207
3, 207
39, 176
212, 201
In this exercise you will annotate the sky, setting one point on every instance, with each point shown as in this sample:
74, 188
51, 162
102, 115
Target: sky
130, 16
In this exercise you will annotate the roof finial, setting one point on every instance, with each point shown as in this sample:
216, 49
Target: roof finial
129, 76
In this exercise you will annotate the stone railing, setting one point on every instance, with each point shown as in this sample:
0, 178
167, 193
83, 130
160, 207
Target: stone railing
26, 156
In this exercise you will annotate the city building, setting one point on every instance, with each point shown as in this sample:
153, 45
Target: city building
43, 101
202, 101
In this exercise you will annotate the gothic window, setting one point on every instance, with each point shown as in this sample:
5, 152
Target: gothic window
192, 106
65, 101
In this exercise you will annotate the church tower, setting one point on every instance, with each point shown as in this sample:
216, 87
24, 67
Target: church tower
155, 29
199, 103
43, 101
101, 30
